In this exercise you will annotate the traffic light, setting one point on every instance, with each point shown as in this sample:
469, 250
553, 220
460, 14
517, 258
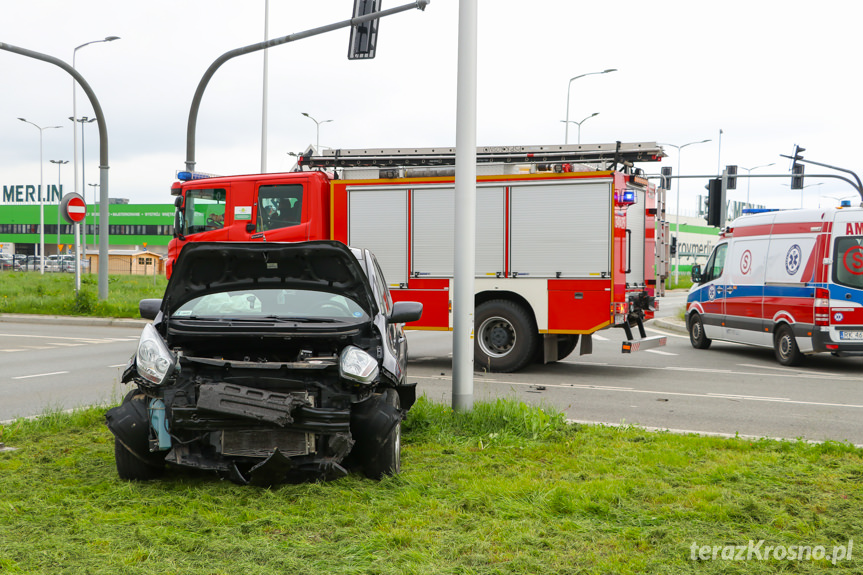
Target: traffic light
674, 245
715, 203
797, 176
732, 177
797, 168
665, 180
364, 37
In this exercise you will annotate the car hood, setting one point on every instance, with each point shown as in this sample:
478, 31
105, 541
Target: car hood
210, 267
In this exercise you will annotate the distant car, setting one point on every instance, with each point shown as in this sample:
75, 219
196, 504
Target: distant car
267, 363
8, 263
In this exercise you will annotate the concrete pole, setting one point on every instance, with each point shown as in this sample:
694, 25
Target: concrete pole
266, 79
465, 209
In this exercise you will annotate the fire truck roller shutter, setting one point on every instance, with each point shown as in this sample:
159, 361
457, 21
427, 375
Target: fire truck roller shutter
434, 231
561, 230
378, 221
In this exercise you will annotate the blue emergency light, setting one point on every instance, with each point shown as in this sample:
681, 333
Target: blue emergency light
187, 176
628, 197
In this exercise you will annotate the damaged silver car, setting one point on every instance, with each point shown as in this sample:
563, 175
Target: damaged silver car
268, 363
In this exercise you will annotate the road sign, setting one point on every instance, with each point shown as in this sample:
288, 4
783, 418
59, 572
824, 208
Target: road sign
73, 208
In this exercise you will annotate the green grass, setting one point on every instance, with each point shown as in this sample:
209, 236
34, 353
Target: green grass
504, 489
54, 294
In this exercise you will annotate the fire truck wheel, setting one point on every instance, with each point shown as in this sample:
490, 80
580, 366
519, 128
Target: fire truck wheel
785, 346
696, 333
506, 336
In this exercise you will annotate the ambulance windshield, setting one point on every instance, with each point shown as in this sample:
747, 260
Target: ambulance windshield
848, 262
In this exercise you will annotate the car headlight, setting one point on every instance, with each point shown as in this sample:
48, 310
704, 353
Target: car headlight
357, 365
154, 360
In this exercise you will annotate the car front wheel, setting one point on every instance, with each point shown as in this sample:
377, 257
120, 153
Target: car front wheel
387, 459
696, 332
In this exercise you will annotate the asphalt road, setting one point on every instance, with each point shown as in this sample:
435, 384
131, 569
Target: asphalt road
728, 389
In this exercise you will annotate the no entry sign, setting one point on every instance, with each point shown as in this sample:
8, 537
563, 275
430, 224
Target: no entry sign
73, 208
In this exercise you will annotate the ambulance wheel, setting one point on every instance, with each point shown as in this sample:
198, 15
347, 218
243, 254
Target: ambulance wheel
696, 333
785, 346
506, 337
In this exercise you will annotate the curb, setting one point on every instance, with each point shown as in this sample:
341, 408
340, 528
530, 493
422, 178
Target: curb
671, 324
72, 320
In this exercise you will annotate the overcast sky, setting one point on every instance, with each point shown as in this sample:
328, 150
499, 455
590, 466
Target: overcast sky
769, 74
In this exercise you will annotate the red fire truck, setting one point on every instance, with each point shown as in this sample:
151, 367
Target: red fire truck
567, 241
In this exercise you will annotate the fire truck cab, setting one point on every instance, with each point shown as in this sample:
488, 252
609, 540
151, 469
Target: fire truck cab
570, 239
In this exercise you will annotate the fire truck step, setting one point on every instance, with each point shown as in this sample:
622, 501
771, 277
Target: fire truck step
642, 344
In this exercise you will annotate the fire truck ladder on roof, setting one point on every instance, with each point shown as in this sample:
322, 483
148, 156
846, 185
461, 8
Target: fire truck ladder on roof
613, 154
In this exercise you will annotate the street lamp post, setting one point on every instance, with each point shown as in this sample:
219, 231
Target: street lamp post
803, 188
318, 129
580, 123
41, 199
749, 180
75, 109
59, 187
83, 120
95, 194
677, 215
569, 87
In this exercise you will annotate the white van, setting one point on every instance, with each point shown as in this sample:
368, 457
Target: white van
791, 280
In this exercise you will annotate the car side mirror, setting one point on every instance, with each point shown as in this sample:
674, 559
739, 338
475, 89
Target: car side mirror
406, 311
250, 227
695, 274
149, 308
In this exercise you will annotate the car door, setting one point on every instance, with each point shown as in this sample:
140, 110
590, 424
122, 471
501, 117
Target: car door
711, 292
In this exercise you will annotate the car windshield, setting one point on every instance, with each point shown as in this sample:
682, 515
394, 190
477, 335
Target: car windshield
272, 303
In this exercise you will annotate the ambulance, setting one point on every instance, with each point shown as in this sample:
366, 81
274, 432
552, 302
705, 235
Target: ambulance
790, 280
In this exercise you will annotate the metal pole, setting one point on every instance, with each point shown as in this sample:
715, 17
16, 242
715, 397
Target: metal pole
317, 130
95, 203
77, 260
677, 214
103, 152
265, 90
41, 187
568, 88
465, 209
59, 188
75, 116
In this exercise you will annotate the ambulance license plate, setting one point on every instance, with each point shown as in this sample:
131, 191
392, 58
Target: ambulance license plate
851, 335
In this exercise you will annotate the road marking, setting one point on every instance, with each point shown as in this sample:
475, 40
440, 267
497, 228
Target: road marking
664, 332
12, 350
788, 370
40, 375
36, 347
662, 393
659, 352
736, 396
119, 365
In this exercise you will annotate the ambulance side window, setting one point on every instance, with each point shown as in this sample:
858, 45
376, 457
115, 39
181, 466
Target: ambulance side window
848, 262
715, 264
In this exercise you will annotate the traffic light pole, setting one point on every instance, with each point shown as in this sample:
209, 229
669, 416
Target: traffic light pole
202, 85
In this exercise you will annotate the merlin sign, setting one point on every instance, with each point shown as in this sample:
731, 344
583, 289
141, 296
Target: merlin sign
31, 194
